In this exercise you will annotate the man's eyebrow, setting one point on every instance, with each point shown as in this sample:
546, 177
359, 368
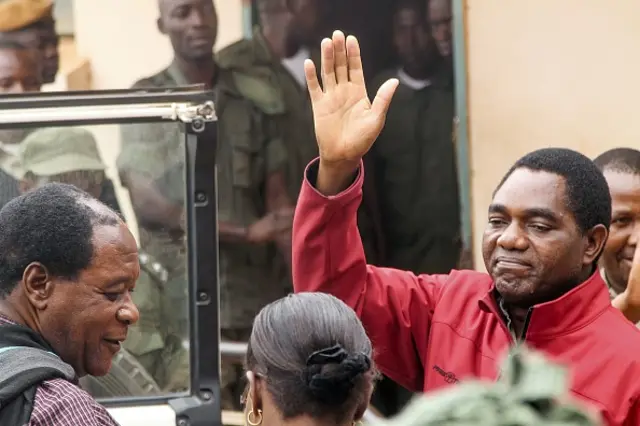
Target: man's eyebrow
117, 282
539, 212
542, 213
497, 208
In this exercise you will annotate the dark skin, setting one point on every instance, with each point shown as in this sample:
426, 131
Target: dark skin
532, 246
20, 72
440, 19
41, 36
90, 181
288, 25
84, 319
192, 26
304, 27
413, 44
621, 256
617, 257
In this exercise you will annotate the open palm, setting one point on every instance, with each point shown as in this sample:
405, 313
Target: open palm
346, 122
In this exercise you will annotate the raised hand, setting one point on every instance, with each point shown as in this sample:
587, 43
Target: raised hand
629, 301
346, 122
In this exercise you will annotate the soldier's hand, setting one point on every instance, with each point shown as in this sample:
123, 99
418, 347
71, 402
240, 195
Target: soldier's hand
270, 226
346, 122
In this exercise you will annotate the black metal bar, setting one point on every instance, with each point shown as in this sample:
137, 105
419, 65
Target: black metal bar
194, 93
87, 122
202, 407
138, 401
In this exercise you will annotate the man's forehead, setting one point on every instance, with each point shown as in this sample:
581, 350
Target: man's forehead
530, 189
169, 5
624, 187
407, 15
439, 8
273, 5
28, 37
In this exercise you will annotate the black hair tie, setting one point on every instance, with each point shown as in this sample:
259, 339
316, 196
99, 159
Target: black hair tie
333, 355
333, 386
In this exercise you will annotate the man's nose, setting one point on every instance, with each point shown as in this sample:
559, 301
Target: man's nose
513, 238
129, 313
197, 18
635, 234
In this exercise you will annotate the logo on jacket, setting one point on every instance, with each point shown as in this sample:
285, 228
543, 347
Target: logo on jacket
449, 377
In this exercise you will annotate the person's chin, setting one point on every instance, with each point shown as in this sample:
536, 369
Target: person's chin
99, 368
512, 291
49, 77
201, 52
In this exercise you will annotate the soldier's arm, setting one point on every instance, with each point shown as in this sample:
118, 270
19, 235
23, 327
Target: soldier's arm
149, 205
143, 160
277, 198
278, 203
231, 233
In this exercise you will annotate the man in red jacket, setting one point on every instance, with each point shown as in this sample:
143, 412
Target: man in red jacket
548, 223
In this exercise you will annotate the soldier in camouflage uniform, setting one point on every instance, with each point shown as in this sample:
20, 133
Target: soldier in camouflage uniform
530, 392
255, 212
151, 166
268, 70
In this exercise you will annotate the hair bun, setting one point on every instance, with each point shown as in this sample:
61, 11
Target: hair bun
331, 374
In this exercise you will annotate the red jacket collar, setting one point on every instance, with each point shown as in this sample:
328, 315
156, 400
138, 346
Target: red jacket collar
570, 312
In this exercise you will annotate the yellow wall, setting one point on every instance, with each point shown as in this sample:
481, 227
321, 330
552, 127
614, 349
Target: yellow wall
547, 73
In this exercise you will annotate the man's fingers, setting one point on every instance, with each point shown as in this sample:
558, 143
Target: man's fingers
313, 85
340, 57
383, 97
328, 65
354, 61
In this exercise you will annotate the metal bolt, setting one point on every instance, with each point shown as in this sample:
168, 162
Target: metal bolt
201, 197
183, 422
206, 396
203, 296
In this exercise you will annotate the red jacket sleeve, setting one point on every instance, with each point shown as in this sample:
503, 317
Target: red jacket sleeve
395, 306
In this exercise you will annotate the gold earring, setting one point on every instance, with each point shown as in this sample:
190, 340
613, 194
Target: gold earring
252, 414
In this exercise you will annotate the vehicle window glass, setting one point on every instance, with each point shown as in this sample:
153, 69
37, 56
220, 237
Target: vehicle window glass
138, 170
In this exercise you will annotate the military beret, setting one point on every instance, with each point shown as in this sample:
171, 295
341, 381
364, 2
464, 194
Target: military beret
17, 14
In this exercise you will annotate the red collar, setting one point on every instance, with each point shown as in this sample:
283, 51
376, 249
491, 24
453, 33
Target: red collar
572, 311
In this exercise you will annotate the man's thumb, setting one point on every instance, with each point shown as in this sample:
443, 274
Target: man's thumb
383, 97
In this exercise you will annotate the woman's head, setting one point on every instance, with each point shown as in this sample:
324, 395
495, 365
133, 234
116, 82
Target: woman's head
309, 356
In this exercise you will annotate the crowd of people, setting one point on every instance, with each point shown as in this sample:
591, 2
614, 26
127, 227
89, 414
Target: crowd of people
297, 212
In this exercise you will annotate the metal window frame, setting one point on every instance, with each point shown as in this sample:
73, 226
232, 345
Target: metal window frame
201, 407
462, 120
